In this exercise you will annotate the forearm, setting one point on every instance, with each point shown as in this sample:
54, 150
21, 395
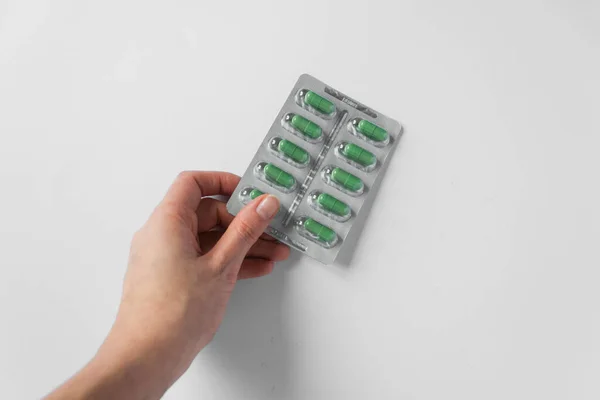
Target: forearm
123, 368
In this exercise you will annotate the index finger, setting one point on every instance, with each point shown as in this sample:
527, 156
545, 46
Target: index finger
190, 186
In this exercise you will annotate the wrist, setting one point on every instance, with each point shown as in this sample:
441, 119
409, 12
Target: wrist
145, 358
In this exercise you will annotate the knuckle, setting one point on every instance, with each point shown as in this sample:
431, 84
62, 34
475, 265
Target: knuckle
220, 268
230, 276
183, 175
137, 237
137, 245
218, 261
246, 232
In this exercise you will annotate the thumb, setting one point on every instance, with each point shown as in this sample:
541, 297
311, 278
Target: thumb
243, 232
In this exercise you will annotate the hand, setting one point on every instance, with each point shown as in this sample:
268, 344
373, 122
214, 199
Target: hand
182, 270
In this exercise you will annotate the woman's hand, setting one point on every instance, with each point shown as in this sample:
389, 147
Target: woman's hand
182, 270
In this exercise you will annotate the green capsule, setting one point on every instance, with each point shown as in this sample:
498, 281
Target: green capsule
294, 152
357, 154
322, 232
318, 102
255, 193
331, 204
279, 176
305, 126
346, 180
370, 130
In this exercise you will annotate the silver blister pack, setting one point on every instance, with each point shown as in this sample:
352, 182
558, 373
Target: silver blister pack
321, 156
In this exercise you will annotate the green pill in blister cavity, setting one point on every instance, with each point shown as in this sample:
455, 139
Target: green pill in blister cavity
279, 176
331, 204
296, 153
346, 180
370, 130
320, 231
317, 102
357, 154
255, 193
303, 125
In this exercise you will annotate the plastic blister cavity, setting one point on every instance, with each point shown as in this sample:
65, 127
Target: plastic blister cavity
274, 176
289, 152
356, 156
249, 193
316, 232
329, 206
343, 180
369, 132
315, 103
302, 127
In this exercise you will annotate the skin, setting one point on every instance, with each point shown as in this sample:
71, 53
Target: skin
183, 265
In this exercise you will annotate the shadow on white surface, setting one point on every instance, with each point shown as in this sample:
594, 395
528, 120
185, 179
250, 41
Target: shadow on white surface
250, 355
345, 256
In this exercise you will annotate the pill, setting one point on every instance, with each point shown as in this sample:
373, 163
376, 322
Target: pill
319, 103
255, 193
331, 204
370, 130
346, 179
291, 150
320, 231
305, 126
357, 154
279, 176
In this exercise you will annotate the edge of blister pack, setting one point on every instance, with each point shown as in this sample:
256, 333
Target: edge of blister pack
318, 226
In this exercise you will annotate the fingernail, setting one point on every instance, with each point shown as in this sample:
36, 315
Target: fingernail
268, 207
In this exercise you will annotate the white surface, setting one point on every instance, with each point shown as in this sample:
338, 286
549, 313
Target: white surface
476, 275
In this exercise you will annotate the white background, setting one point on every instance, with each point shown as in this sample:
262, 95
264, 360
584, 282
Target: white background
476, 275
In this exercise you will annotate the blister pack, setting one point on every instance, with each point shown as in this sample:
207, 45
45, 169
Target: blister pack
321, 157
